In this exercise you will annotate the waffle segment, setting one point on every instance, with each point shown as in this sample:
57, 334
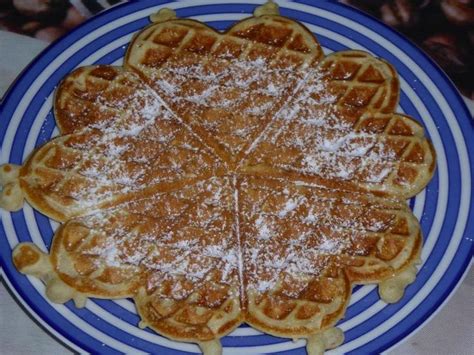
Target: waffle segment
340, 131
227, 86
304, 246
181, 270
103, 163
192, 292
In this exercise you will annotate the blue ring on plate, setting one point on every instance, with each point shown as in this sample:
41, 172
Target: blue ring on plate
77, 58
216, 9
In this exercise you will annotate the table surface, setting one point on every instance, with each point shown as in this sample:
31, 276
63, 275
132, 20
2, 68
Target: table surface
449, 332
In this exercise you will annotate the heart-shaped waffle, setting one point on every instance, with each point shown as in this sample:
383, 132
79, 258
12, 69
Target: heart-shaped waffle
221, 178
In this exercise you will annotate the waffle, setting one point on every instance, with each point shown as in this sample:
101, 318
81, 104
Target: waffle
220, 178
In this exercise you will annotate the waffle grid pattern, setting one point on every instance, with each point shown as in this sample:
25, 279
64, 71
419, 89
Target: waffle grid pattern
213, 310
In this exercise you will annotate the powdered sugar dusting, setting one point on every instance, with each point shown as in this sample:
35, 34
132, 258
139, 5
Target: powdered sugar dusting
224, 229
182, 251
301, 245
142, 146
234, 98
310, 136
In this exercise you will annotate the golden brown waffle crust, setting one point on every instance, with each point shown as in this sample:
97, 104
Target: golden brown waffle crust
200, 25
